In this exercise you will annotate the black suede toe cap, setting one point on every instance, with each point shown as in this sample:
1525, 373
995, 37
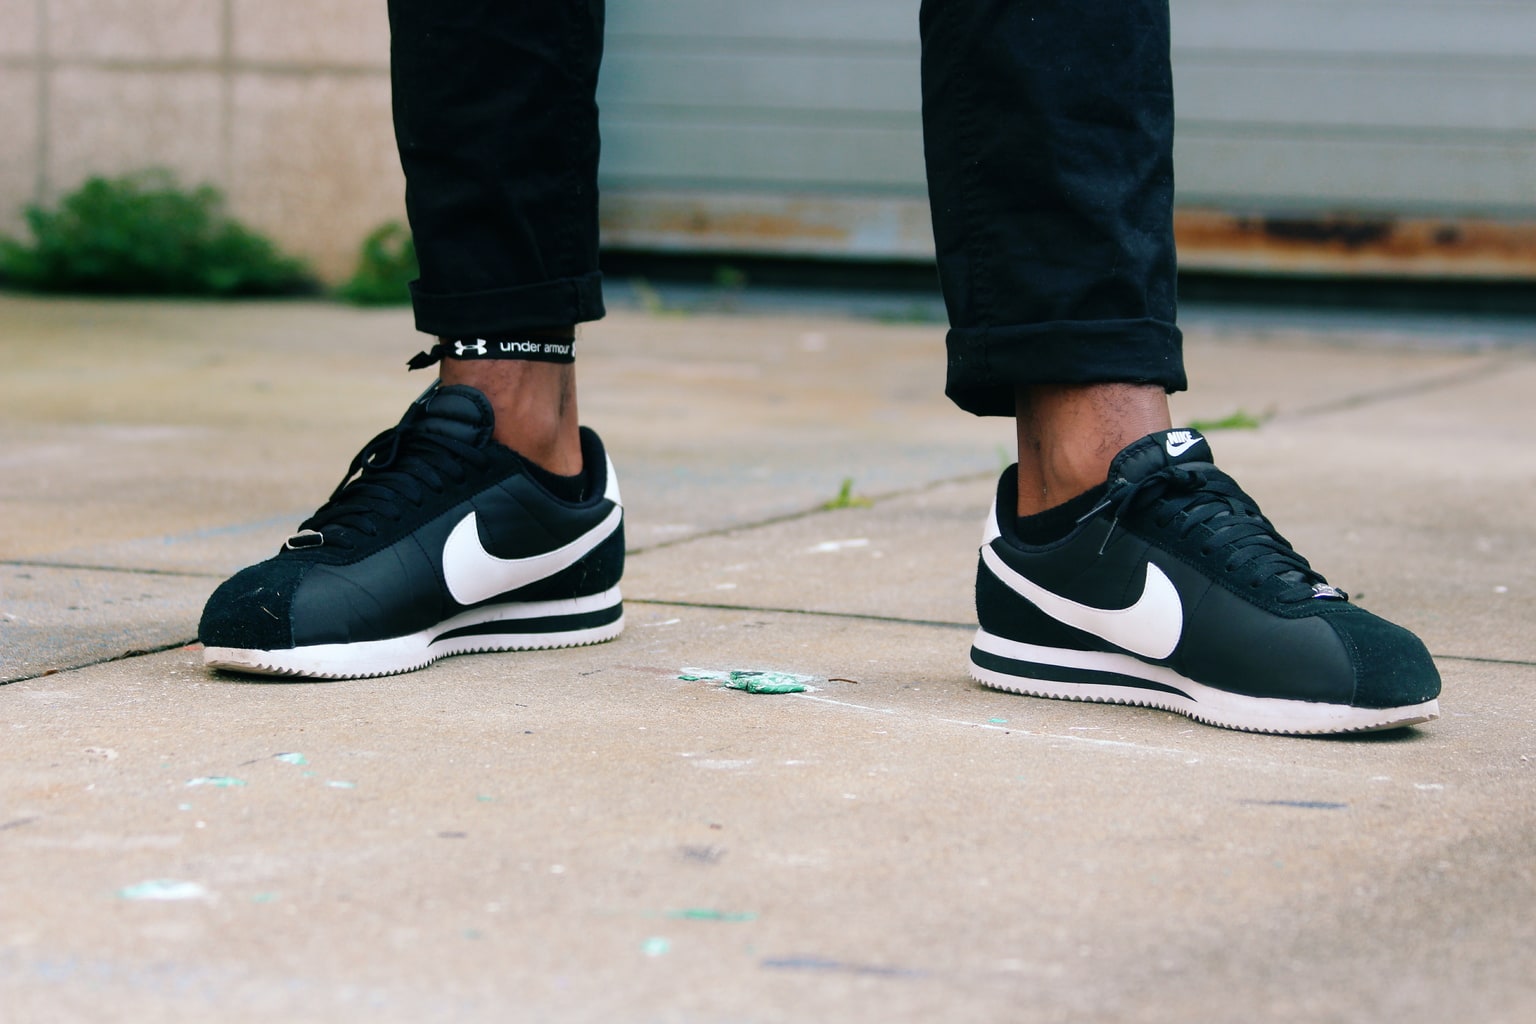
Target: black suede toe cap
1392, 666
252, 610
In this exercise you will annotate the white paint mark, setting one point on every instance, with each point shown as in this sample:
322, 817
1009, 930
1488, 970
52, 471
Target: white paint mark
846, 704
721, 765
217, 781
164, 890
838, 545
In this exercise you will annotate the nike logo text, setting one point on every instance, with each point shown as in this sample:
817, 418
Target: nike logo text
473, 574
1150, 627
1180, 441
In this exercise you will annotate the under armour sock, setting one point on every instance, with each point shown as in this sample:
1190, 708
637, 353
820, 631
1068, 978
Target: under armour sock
1055, 523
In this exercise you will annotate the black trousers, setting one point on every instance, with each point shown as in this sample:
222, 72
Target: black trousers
1048, 134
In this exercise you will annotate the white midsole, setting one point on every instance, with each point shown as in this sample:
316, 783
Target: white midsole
415, 650
1204, 703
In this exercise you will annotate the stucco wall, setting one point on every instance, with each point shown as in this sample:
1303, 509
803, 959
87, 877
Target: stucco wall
282, 103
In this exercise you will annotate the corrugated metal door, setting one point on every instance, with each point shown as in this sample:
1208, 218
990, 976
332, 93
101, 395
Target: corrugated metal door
1332, 135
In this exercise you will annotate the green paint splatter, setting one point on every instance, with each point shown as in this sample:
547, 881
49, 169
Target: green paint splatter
219, 781
750, 681
482, 798
998, 721
710, 914
163, 890
292, 758
339, 784
656, 946
264, 897
765, 682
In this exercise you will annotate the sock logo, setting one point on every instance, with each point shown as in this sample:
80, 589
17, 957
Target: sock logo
461, 348
1180, 441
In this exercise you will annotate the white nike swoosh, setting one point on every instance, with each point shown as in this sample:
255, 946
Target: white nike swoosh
1177, 448
473, 574
1150, 627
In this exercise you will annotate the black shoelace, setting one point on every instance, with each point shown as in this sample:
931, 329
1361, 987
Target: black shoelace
1238, 536
395, 471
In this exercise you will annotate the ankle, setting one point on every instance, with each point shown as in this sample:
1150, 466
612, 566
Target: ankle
535, 407
1069, 434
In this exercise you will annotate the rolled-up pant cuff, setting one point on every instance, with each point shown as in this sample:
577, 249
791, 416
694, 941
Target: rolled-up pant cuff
987, 365
558, 303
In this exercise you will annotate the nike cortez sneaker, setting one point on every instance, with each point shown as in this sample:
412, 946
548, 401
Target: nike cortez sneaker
438, 541
1166, 587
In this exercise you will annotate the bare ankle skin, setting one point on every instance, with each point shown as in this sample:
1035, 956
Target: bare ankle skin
1069, 434
535, 405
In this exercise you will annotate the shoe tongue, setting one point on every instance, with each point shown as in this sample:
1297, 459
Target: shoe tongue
459, 412
1158, 451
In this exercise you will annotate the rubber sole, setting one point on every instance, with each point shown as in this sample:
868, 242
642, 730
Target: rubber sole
1121, 679
509, 627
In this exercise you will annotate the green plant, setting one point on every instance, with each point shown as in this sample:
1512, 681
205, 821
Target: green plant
385, 268
846, 498
913, 313
651, 299
730, 278
142, 234
1239, 420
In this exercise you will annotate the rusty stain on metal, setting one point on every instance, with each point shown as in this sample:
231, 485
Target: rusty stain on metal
713, 219
1211, 240
1352, 245
763, 227
867, 227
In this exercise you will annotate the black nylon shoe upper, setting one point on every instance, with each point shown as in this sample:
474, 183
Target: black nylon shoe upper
1257, 619
368, 564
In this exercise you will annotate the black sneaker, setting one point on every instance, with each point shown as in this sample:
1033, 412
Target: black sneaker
439, 541
1173, 591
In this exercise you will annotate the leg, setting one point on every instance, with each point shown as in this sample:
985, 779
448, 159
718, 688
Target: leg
1139, 573
1049, 135
496, 122
486, 519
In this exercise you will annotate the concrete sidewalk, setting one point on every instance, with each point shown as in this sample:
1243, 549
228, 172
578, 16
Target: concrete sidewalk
585, 836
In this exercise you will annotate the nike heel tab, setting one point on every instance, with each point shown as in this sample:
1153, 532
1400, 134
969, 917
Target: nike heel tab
990, 530
611, 487
593, 453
